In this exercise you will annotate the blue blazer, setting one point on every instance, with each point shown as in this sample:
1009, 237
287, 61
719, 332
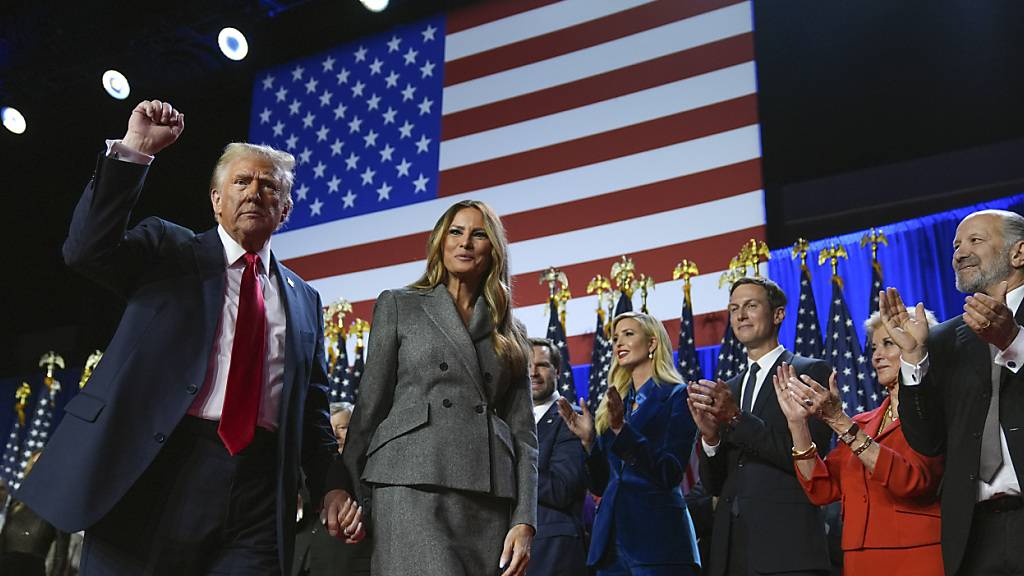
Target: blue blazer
172, 281
638, 473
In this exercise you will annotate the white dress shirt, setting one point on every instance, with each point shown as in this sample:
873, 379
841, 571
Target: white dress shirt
765, 364
539, 410
1005, 480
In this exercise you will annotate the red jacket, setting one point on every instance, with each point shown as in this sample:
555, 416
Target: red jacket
899, 497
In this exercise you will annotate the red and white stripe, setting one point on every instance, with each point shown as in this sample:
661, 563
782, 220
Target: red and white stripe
595, 128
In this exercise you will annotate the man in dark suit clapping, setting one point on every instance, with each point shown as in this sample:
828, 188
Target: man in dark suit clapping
558, 546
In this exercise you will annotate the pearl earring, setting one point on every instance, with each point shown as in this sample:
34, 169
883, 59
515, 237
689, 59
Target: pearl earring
650, 355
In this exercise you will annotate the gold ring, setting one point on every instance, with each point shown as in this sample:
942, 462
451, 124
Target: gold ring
987, 324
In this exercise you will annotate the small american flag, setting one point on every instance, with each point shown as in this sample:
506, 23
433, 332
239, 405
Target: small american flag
807, 341
38, 430
842, 350
732, 356
341, 390
556, 333
600, 363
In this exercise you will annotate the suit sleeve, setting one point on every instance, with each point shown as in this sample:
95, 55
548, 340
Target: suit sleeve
774, 444
596, 466
825, 483
319, 446
376, 394
560, 483
714, 469
906, 473
517, 412
921, 407
663, 460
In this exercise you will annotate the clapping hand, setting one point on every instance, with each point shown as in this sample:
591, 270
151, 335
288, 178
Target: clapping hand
910, 333
801, 396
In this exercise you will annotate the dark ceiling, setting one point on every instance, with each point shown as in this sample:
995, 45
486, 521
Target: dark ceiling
843, 87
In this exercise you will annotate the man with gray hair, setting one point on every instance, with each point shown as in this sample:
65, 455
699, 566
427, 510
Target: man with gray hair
962, 395
211, 392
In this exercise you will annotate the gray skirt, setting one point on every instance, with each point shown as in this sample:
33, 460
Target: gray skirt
437, 532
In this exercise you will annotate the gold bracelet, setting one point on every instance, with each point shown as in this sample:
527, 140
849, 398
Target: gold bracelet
868, 441
804, 454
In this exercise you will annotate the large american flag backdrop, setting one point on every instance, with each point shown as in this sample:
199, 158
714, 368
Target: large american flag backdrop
595, 128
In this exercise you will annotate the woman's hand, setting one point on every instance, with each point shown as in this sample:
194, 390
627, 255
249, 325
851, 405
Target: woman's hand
794, 410
616, 410
515, 554
824, 403
582, 425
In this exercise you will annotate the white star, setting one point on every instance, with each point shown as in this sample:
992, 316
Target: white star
428, 33
352, 162
427, 69
293, 108
311, 85
339, 111
325, 98
403, 167
384, 192
301, 192
321, 134
368, 175
391, 80
393, 44
354, 125
425, 105
410, 56
297, 73
422, 144
318, 170
370, 139
405, 130
349, 199
314, 208
265, 116
389, 115
385, 153
333, 183
421, 183
305, 155
278, 128
408, 93
291, 142
268, 82
375, 67
361, 54
342, 76
307, 121
357, 89
336, 147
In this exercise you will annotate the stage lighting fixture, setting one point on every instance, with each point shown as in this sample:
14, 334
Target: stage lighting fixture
12, 119
375, 5
232, 43
116, 84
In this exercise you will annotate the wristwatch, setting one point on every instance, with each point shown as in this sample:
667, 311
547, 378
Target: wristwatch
850, 435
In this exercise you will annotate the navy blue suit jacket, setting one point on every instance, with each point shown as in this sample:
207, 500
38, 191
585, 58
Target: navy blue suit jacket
638, 473
173, 283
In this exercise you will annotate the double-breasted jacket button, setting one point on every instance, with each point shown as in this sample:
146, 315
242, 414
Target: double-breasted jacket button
446, 403
487, 377
972, 477
159, 437
480, 409
443, 366
191, 389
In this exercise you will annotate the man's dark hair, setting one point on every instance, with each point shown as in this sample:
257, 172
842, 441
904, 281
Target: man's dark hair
553, 351
776, 297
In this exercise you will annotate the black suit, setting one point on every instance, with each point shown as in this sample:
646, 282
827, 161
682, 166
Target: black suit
558, 546
763, 520
945, 414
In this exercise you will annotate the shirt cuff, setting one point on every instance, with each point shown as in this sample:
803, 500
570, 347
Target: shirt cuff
1014, 353
910, 374
118, 151
709, 449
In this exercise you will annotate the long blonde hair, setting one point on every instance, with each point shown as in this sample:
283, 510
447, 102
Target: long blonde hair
664, 371
509, 338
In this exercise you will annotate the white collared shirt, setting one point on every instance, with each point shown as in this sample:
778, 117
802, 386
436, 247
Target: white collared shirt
539, 410
765, 364
1005, 480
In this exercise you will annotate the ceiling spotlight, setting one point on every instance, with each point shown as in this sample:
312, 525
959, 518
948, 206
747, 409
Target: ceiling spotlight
116, 84
375, 5
232, 43
12, 119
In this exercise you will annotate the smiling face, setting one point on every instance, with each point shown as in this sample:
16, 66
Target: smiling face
885, 357
248, 201
467, 248
631, 345
980, 255
542, 374
753, 321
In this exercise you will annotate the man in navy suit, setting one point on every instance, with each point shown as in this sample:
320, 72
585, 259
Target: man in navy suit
212, 391
558, 547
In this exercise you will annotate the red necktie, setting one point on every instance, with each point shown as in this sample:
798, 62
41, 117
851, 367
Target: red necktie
245, 374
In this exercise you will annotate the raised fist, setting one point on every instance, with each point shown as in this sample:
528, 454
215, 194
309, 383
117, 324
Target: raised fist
153, 126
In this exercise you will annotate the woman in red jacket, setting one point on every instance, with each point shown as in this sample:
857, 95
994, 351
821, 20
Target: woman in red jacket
891, 518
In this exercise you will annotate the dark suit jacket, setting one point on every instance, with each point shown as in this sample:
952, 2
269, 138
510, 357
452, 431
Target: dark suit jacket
173, 283
945, 414
752, 474
558, 546
637, 473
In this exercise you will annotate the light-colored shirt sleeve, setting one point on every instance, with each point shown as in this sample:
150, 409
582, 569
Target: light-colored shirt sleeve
911, 374
708, 448
118, 151
1013, 355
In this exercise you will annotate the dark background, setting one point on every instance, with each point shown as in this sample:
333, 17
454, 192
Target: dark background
872, 111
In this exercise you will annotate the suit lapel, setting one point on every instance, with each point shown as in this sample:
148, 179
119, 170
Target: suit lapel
547, 424
209, 255
440, 308
977, 352
293, 308
871, 426
767, 388
649, 407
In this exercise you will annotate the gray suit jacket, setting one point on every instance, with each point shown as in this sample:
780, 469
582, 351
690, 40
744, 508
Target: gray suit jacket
438, 408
